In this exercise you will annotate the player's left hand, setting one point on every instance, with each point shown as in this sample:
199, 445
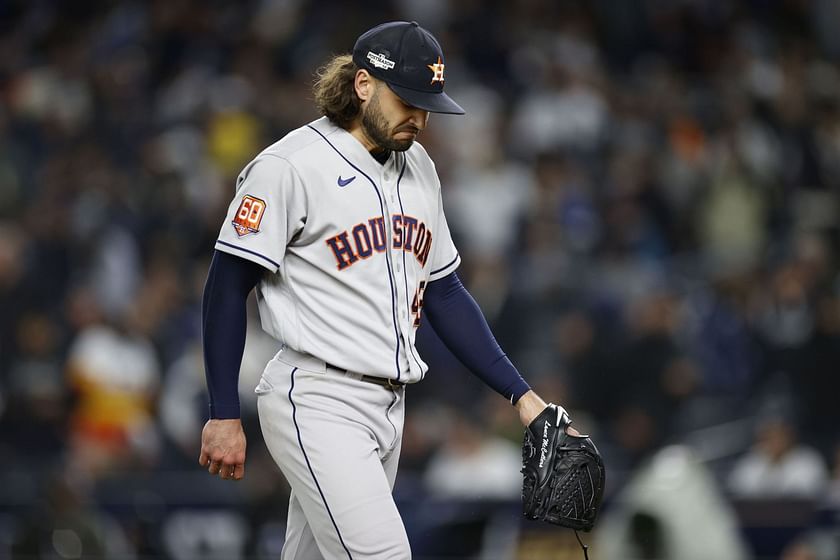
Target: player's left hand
223, 448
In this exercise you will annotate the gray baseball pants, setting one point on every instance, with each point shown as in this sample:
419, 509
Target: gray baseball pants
337, 441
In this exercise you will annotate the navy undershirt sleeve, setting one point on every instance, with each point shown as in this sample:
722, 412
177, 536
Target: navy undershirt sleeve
224, 323
461, 326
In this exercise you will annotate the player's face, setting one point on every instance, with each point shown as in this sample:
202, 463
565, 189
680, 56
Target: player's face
389, 122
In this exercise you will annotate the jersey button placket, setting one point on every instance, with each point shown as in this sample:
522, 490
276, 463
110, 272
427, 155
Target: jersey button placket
390, 189
394, 254
387, 177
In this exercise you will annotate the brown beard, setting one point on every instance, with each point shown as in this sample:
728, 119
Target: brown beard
375, 127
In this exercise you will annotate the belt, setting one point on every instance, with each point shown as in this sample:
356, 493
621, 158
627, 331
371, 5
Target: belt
386, 382
308, 362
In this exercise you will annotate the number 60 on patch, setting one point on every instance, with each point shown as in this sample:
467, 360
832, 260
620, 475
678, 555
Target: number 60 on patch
248, 217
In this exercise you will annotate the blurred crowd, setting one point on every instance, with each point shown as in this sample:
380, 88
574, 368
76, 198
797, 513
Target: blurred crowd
644, 195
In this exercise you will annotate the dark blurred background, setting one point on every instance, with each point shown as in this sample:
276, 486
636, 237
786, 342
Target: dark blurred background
645, 197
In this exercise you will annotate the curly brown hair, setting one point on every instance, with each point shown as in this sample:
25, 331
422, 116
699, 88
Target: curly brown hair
334, 91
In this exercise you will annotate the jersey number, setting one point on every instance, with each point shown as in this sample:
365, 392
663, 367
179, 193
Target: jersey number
417, 304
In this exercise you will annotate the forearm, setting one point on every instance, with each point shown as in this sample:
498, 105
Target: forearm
224, 324
461, 326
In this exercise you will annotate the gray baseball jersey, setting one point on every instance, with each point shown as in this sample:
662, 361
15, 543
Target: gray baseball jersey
350, 243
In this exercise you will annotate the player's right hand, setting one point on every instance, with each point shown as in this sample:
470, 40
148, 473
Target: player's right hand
223, 448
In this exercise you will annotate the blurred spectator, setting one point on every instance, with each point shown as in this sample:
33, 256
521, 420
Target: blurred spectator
732, 215
720, 335
648, 378
812, 371
473, 464
114, 372
576, 339
778, 465
563, 107
502, 189
116, 272
34, 424
671, 508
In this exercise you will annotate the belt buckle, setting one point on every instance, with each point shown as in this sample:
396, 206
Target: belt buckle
393, 384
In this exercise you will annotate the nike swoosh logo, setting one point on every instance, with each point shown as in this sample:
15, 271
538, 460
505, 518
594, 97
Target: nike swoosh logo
345, 182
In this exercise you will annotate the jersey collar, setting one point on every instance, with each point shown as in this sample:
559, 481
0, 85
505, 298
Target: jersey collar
350, 147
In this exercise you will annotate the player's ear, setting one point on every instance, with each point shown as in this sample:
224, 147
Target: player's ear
364, 85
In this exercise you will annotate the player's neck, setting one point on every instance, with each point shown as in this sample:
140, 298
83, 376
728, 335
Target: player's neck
359, 134
378, 153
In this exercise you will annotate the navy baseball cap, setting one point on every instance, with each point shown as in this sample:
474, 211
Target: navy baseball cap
409, 59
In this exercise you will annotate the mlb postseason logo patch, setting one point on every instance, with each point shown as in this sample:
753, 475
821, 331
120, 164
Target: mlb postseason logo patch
380, 60
247, 218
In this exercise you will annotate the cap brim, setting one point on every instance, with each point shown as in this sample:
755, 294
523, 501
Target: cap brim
432, 102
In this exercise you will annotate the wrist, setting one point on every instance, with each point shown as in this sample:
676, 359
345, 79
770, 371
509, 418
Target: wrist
530, 405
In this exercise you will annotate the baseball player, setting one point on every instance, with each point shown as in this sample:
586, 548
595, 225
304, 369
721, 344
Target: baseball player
340, 227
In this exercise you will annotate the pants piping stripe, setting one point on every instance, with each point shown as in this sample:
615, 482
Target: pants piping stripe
309, 465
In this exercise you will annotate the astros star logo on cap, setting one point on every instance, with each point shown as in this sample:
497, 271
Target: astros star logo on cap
437, 70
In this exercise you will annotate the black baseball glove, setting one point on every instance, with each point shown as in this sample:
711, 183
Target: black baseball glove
563, 475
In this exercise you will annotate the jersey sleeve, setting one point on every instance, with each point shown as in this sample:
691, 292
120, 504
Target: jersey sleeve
444, 258
268, 210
